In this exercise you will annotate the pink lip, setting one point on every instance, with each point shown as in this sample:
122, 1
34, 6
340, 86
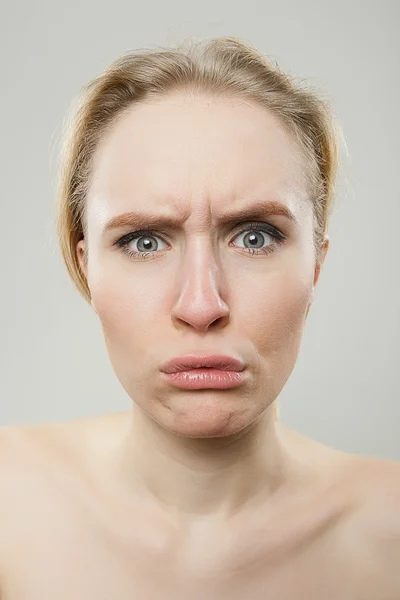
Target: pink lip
191, 361
206, 378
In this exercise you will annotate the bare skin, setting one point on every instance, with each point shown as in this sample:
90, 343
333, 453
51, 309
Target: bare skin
196, 494
66, 533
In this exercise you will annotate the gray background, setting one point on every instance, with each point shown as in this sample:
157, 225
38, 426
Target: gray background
344, 390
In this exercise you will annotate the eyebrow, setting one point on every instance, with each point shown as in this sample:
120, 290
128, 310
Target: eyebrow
140, 219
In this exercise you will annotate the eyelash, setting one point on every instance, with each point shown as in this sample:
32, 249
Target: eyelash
279, 239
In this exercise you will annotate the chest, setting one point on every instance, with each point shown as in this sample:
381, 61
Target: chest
66, 553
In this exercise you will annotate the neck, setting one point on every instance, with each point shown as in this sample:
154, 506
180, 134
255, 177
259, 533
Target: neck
208, 477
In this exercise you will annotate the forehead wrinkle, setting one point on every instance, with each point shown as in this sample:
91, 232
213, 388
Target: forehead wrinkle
258, 210
292, 196
186, 210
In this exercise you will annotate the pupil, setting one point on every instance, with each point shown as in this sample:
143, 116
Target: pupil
252, 238
146, 243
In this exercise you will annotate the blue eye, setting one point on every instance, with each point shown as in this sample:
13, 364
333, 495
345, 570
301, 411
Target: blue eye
255, 238
145, 241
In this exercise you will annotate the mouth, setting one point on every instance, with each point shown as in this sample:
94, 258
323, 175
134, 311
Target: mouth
210, 362
196, 372
206, 378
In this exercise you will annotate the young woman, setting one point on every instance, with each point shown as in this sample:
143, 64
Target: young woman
195, 191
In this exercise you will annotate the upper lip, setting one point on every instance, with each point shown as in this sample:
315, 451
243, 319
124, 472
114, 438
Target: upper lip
191, 361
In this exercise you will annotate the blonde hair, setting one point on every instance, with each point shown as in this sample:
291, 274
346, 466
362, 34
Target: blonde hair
222, 66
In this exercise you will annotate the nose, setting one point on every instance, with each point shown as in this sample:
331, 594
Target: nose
199, 304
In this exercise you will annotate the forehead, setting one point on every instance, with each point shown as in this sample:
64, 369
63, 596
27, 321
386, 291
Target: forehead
194, 149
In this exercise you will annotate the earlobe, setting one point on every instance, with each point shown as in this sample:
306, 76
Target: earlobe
318, 267
317, 270
80, 252
326, 246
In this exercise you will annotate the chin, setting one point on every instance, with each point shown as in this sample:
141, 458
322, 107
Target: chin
203, 417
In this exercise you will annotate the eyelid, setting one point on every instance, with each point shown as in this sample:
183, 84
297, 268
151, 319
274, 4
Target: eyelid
259, 225
278, 239
238, 226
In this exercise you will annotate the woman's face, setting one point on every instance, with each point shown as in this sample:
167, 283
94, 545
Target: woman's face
204, 285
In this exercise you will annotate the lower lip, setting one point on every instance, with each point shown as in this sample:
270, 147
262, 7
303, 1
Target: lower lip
199, 379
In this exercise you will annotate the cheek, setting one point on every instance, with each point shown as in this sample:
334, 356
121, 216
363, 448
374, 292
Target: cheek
270, 311
127, 305
274, 313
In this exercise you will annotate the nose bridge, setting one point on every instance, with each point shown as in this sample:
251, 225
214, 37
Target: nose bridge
200, 283
200, 267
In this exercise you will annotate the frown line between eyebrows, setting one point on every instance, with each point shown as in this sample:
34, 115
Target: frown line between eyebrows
140, 219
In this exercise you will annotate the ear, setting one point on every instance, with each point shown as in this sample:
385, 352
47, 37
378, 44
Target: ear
324, 253
80, 252
318, 267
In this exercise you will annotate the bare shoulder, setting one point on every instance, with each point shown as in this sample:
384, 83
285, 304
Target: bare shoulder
380, 478
41, 468
368, 490
36, 458
29, 452
21, 443
45, 438
375, 485
14, 446
377, 482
